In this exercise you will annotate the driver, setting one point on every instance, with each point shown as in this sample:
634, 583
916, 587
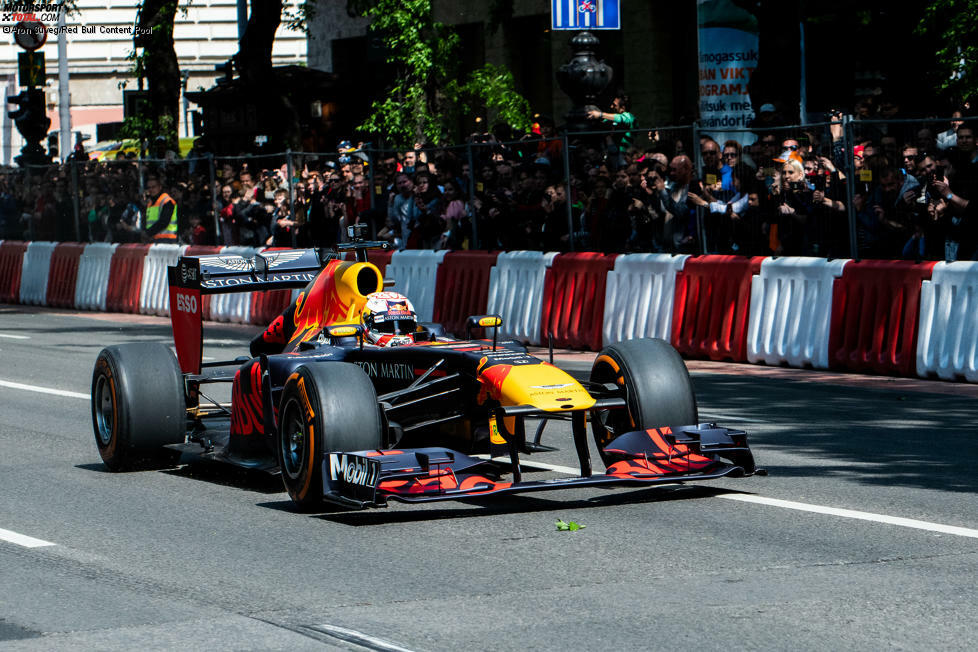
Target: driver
389, 319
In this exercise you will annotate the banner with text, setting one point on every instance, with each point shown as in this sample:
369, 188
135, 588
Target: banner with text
727, 57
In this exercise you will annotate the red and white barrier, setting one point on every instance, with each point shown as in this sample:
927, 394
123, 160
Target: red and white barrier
801, 311
948, 341
63, 275
875, 312
790, 311
11, 269
415, 272
37, 265
516, 292
92, 284
126, 278
154, 293
712, 306
638, 299
462, 288
573, 299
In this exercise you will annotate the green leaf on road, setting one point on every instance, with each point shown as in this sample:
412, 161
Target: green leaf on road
571, 526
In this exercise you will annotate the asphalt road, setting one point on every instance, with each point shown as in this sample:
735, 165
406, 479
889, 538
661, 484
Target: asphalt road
863, 537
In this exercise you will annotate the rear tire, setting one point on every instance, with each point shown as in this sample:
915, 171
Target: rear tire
326, 407
655, 384
138, 406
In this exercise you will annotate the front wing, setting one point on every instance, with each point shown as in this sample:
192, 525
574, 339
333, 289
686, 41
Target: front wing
661, 455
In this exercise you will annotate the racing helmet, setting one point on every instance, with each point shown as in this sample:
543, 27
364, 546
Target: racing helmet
389, 319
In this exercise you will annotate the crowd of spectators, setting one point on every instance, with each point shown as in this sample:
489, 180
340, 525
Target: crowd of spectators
911, 190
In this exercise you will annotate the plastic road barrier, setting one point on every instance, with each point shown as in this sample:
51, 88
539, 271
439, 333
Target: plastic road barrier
37, 267
948, 340
125, 278
462, 288
790, 311
92, 284
154, 297
268, 304
573, 299
415, 273
638, 299
63, 274
516, 292
11, 269
875, 311
712, 306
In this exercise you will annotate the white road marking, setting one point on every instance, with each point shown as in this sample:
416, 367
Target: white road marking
359, 638
15, 337
23, 539
849, 513
44, 390
790, 504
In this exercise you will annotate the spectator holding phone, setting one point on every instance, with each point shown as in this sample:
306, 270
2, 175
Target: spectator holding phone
795, 207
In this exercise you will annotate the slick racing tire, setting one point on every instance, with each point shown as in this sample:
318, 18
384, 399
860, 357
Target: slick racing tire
326, 407
138, 406
654, 382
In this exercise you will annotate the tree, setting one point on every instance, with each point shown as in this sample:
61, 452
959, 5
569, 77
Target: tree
954, 23
254, 64
156, 59
427, 96
490, 91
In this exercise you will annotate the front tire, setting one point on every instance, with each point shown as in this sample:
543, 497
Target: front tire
138, 405
655, 384
326, 407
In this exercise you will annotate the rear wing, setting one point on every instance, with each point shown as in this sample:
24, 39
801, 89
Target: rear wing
269, 270
194, 277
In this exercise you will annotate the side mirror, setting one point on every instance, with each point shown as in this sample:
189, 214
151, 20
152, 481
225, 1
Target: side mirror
484, 321
338, 331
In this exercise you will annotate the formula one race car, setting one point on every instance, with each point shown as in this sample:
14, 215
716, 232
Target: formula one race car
356, 403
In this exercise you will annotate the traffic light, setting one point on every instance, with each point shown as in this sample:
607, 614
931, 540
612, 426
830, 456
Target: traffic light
23, 110
53, 144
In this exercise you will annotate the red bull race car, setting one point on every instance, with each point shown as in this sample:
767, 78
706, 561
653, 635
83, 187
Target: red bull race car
355, 403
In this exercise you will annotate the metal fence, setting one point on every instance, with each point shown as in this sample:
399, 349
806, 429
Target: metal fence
850, 188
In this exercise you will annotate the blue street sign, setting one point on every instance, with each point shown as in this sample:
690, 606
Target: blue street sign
584, 14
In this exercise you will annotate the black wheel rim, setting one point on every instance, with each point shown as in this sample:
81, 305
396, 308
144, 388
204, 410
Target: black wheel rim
293, 439
104, 411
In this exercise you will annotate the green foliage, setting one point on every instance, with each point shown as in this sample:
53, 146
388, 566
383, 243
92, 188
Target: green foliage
424, 102
142, 128
137, 127
571, 526
297, 14
954, 24
492, 88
